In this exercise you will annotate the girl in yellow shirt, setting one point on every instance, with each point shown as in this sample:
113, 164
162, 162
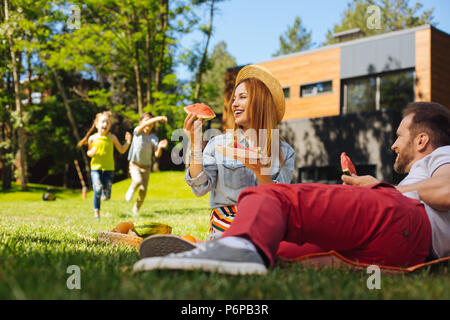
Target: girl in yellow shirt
101, 150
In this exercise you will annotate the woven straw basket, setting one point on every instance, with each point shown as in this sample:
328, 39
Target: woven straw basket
115, 237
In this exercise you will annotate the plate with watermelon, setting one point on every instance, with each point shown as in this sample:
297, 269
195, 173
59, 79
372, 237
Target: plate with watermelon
235, 149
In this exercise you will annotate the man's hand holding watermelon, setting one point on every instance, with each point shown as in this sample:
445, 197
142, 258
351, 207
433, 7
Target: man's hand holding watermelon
349, 174
362, 181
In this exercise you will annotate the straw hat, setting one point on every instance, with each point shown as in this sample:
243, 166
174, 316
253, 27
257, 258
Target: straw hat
274, 86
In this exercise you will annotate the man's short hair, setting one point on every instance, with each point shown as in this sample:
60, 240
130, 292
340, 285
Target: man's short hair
431, 118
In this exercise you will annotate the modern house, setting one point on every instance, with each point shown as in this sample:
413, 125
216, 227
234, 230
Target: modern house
348, 97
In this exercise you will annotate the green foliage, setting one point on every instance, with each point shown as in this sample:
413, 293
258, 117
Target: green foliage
395, 15
296, 38
121, 57
169, 105
214, 79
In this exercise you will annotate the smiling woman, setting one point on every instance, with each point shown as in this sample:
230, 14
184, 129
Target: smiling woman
257, 106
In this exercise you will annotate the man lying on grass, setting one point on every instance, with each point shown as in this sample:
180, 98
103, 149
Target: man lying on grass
364, 219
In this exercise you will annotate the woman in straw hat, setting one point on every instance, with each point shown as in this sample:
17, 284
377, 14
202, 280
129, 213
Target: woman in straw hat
257, 105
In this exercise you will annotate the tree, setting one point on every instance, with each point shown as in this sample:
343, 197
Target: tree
14, 36
394, 15
296, 38
214, 79
203, 64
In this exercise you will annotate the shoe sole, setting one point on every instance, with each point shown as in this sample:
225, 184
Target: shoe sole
222, 267
162, 245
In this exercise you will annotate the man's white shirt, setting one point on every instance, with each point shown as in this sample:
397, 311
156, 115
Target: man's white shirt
440, 221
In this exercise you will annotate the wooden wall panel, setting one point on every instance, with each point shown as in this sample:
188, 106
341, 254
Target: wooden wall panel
423, 65
313, 67
440, 67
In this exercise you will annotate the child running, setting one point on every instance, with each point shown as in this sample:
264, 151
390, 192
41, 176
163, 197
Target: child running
140, 156
101, 150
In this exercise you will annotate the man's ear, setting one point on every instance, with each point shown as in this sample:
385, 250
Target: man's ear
423, 140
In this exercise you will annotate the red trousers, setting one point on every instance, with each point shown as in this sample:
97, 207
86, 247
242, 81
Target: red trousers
376, 225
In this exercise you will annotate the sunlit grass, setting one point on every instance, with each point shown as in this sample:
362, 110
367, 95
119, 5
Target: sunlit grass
40, 239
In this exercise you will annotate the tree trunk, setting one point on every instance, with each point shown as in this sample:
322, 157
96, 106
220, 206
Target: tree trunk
72, 122
21, 130
6, 166
164, 18
30, 91
137, 74
137, 71
202, 66
148, 38
7, 133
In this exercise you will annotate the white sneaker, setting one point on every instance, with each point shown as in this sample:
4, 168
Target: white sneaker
135, 210
129, 194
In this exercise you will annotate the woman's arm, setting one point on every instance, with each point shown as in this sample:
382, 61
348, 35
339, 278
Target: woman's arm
202, 183
287, 169
122, 148
434, 191
262, 171
193, 130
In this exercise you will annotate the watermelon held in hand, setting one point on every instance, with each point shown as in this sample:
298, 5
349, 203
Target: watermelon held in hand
201, 110
147, 229
346, 165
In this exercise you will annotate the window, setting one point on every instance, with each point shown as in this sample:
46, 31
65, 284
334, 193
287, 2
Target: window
287, 92
396, 90
384, 91
331, 174
361, 95
314, 89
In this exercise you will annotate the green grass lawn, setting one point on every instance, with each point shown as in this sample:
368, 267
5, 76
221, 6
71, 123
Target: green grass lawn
40, 240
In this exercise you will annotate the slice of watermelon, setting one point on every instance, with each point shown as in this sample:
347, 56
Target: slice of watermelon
201, 110
346, 165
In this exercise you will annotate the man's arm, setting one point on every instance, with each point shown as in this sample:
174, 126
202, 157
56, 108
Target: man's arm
434, 191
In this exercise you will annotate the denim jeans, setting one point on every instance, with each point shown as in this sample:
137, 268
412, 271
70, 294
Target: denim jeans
101, 183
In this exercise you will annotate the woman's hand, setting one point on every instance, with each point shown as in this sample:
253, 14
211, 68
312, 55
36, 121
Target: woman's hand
193, 129
262, 171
